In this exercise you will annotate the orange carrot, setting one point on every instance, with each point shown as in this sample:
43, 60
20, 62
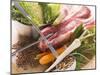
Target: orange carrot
49, 57
41, 54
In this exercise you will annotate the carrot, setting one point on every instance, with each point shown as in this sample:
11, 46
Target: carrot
90, 26
41, 54
49, 57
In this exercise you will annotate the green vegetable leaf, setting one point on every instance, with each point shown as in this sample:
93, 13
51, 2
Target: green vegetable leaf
34, 10
41, 13
46, 12
17, 15
78, 31
86, 49
55, 11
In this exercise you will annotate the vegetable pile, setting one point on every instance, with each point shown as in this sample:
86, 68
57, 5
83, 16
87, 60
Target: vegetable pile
17, 15
61, 24
41, 13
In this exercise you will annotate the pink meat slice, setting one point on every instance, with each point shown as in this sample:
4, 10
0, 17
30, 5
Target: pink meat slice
62, 33
48, 30
61, 36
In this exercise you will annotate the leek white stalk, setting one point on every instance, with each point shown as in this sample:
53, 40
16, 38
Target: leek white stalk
76, 43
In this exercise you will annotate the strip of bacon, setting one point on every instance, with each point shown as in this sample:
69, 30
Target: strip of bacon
62, 33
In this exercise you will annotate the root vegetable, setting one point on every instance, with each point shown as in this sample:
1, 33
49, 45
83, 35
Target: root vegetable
75, 44
49, 57
41, 54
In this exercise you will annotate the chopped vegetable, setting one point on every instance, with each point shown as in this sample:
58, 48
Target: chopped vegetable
49, 57
74, 46
17, 15
40, 55
50, 12
34, 10
78, 31
41, 13
55, 10
87, 49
